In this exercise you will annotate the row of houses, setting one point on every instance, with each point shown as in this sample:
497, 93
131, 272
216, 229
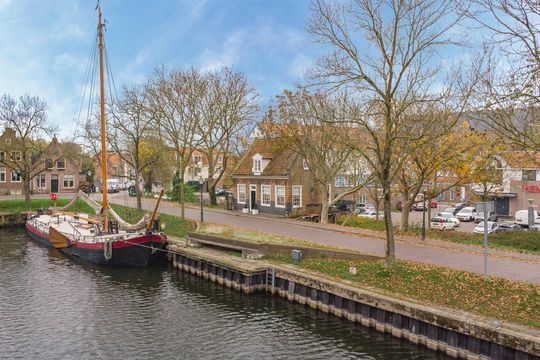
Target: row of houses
54, 172
277, 181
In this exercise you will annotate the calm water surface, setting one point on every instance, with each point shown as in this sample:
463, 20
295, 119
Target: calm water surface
54, 308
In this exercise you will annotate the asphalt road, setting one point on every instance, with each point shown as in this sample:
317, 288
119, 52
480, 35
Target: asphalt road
507, 265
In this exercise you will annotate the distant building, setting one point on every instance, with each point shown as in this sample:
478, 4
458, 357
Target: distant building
62, 173
277, 180
10, 152
117, 168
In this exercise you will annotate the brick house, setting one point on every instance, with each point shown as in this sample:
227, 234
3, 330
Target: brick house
61, 175
117, 169
10, 151
276, 179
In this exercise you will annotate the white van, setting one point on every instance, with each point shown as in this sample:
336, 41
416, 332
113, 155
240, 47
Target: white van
112, 186
522, 217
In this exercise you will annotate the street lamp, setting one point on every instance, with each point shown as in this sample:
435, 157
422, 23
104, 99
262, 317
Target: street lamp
201, 182
424, 216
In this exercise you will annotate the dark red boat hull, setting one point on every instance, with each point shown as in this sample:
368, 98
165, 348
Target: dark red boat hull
138, 252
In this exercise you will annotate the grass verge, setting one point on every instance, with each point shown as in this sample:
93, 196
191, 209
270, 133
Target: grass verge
172, 225
19, 205
498, 298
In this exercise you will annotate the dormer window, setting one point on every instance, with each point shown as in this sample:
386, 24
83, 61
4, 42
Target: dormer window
197, 159
258, 165
305, 164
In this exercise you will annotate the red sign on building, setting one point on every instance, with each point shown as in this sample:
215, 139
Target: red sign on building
52, 196
532, 188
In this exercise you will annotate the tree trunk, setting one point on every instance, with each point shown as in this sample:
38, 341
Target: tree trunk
212, 191
324, 212
405, 214
138, 190
390, 245
428, 220
26, 185
181, 197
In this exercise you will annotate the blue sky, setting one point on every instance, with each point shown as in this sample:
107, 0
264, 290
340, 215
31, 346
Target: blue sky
45, 45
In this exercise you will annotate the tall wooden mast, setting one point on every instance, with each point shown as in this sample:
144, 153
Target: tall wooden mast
103, 143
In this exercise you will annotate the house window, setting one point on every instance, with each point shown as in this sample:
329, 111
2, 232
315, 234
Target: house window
197, 159
15, 176
440, 196
16, 156
241, 188
297, 196
280, 196
69, 181
452, 194
220, 159
257, 165
8, 141
265, 195
305, 164
363, 199
49, 163
528, 175
60, 164
2, 175
40, 181
2, 156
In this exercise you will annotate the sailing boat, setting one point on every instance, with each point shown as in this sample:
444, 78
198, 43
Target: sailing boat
98, 239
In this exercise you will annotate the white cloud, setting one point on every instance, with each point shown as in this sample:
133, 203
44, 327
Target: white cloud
229, 54
300, 65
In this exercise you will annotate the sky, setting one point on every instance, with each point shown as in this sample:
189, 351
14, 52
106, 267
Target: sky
45, 45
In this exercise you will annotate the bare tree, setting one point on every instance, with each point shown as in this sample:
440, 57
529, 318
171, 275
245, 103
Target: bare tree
510, 97
175, 98
131, 123
27, 117
228, 105
384, 52
312, 126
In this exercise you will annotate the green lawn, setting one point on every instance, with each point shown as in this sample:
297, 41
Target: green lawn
172, 225
497, 298
361, 222
19, 205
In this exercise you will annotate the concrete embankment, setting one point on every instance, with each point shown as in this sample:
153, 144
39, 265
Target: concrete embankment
12, 219
458, 334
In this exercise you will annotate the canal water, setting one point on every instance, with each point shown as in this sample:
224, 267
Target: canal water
54, 308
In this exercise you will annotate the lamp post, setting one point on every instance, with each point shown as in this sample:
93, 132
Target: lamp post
201, 182
424, 216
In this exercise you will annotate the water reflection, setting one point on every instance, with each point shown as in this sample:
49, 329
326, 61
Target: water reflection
57, 308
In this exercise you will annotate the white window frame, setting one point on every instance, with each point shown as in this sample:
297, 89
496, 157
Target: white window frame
72, 180
197, 157
266, 190
41, 181
3, 171
257, 165
305, 164
238, 192
363, 199
15, 172
299, 195
276, 188
63, 161
16, 158
452, 194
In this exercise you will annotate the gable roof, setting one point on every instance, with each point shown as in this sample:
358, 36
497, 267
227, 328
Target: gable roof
522, 159
280, 159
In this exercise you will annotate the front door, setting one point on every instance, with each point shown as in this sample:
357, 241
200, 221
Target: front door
54, 183
253, 196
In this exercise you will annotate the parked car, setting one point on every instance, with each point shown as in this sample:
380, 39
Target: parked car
362, 207
343, 205
113, 186
451, 210
509, 227
450, 216
372, 214
441, 223
480, 217
221, 192
491, 227
534, 228
466, 214
521, 217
